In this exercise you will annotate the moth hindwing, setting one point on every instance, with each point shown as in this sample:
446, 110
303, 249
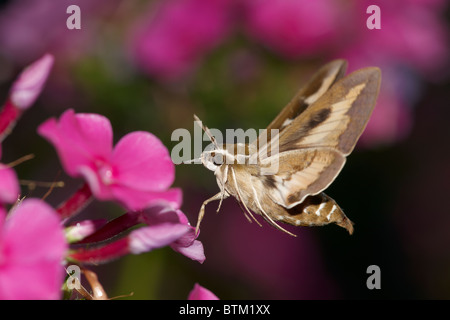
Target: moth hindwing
281, 176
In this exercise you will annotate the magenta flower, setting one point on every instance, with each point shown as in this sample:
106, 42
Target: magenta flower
420, 40
201, 293
293, 28
9, 185
177, 33
80, 230
32, 248
28, 28
24, 93
29, 84
419, 47
137, 172
165, 226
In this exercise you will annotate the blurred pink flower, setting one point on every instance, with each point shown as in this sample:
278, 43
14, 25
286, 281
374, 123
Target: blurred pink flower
165, 226
29, 28
137, 172
28, 85
162, 221
201, 293
82, 229
412, 34
187, 245
175, 34
24, 92
392, 117
293, 28
9, 185
32, 248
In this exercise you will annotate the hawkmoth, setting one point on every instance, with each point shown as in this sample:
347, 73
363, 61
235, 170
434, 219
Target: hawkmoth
314, 133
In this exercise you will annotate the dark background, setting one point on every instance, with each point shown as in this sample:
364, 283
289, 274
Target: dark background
395, 185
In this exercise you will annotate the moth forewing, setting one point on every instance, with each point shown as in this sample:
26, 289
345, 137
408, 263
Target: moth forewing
338, 118
321, 81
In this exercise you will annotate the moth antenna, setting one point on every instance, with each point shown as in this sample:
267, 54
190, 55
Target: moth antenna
245, 213
206, 129
191, 161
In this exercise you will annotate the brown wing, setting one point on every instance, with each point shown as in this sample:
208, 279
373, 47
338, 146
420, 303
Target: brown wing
321, 81
329, 130
291, 176
338, 118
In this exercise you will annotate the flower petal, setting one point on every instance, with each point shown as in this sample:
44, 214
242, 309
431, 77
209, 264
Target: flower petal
141, 161
194, 251
185, 244
33, 249
201, 293
9, 185
159, 213
79, 139
28, 85
136, 200
157, 236
81, 230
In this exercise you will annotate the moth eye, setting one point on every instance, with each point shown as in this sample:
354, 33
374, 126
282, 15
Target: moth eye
218, 159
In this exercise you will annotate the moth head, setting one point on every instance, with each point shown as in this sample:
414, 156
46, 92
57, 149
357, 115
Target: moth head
213, 159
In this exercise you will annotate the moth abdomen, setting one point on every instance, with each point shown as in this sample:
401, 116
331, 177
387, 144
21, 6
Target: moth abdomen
317, 210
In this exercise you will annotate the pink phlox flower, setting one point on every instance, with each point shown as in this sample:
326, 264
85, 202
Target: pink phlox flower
9, 185
24, 92
80, 230
176, 34
30, 82
201, 293
137, 172
420, 40
293, 28
167, 217
164, 226
32, 248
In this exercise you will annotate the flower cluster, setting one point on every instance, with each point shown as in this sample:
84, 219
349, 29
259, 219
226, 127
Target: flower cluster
36, 240
412, 41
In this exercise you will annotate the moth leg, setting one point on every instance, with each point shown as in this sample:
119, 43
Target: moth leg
267, 217
242, 201
202, 209
223, 192
223, 195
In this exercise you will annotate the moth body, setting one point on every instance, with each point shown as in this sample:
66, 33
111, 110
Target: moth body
282, 175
